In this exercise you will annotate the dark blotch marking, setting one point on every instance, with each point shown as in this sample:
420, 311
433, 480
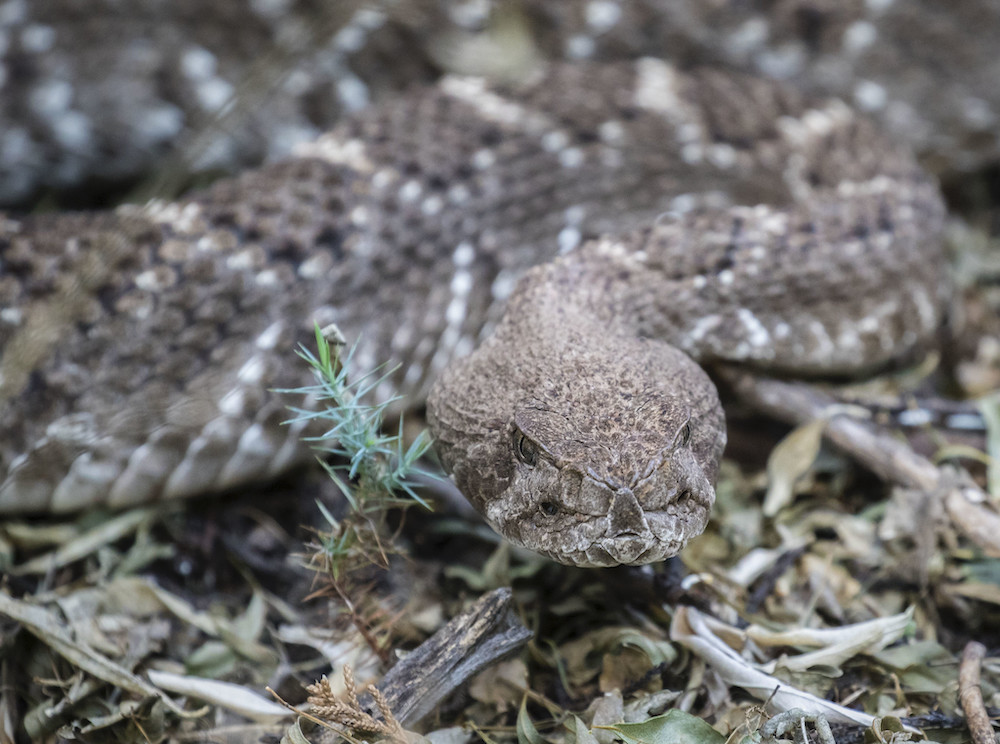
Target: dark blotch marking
726, 262
728, 259
885, 223
491, 136
811, 21
331, 239
108, 295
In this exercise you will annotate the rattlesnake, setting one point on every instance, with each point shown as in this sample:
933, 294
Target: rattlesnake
140, 345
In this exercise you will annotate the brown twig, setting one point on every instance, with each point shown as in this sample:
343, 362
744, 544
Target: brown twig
967, 505
482, 635
970, 696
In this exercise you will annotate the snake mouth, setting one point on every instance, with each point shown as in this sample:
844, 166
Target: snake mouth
627, 550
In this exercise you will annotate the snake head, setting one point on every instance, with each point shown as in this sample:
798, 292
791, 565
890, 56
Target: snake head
599, 457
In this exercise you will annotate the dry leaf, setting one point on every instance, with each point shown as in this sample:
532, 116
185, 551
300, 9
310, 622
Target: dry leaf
789, 461
690, 629
224, 694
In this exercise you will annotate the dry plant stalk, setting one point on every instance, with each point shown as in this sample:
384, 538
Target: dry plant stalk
350, 714
374, 473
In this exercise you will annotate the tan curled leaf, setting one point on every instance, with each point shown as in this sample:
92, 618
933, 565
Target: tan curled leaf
789, 461
500, 685
227, 695
978, 590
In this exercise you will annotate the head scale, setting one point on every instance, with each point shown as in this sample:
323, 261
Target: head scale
593, 454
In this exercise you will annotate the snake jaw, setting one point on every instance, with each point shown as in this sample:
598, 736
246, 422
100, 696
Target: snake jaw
602, 525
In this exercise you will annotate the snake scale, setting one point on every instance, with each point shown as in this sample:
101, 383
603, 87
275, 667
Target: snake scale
693, 217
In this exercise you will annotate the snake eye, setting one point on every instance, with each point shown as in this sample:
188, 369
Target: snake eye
524, 448
684, 435
548, 508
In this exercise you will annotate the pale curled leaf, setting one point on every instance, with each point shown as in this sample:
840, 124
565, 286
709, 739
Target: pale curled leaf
526, 731
790, 460
579, 732
675, 727
656, 650
755, 563
989, 407
226, 695
251, 623
339, 648
30, 536
134, 589
87, 543
837, 645
640, 707
450, 735
690, 630
294, 734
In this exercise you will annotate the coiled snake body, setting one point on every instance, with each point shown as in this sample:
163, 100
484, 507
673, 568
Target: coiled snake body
700, 217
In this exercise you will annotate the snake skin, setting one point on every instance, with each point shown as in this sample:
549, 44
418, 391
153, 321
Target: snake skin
582, 428
101, 91
139, 346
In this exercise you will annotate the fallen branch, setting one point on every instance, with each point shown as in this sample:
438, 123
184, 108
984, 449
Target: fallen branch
470, 642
